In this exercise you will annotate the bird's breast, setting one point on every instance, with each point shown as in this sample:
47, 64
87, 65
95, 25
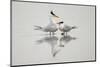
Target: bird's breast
61, 29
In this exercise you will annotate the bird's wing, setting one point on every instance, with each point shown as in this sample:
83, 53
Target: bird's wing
66, 27
50, 26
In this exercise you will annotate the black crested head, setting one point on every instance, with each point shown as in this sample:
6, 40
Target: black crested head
52, 13
61, 22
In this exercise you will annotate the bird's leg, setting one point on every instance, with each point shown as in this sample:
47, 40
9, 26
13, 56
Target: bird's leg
66, 33
50, 33
53, 33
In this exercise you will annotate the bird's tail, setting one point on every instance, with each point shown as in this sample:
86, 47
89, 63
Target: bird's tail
37, 28
74, 27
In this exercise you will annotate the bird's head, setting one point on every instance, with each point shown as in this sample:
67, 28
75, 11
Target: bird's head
56, 19
52, 13
60, 23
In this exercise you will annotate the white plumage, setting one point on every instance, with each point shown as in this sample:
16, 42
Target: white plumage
65, 28
51, 27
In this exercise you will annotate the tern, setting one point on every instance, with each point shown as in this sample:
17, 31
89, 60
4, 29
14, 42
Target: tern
65, 28
51, 27
61, 26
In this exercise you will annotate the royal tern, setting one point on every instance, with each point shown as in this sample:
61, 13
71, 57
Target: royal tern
65, 28
61, 26
51, 27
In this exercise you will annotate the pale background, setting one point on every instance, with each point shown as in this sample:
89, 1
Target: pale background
4, 27
25, 50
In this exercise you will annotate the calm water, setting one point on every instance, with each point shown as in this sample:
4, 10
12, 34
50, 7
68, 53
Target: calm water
36, 47
56, 43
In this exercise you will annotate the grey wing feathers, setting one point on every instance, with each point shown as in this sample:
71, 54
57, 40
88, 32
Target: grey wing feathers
66, 27
51, 27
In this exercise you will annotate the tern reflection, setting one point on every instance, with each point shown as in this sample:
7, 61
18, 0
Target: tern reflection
56, 43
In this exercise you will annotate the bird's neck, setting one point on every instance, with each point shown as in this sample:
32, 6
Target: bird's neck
61, 25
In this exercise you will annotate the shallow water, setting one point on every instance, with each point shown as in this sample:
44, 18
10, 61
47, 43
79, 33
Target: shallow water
31, 46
